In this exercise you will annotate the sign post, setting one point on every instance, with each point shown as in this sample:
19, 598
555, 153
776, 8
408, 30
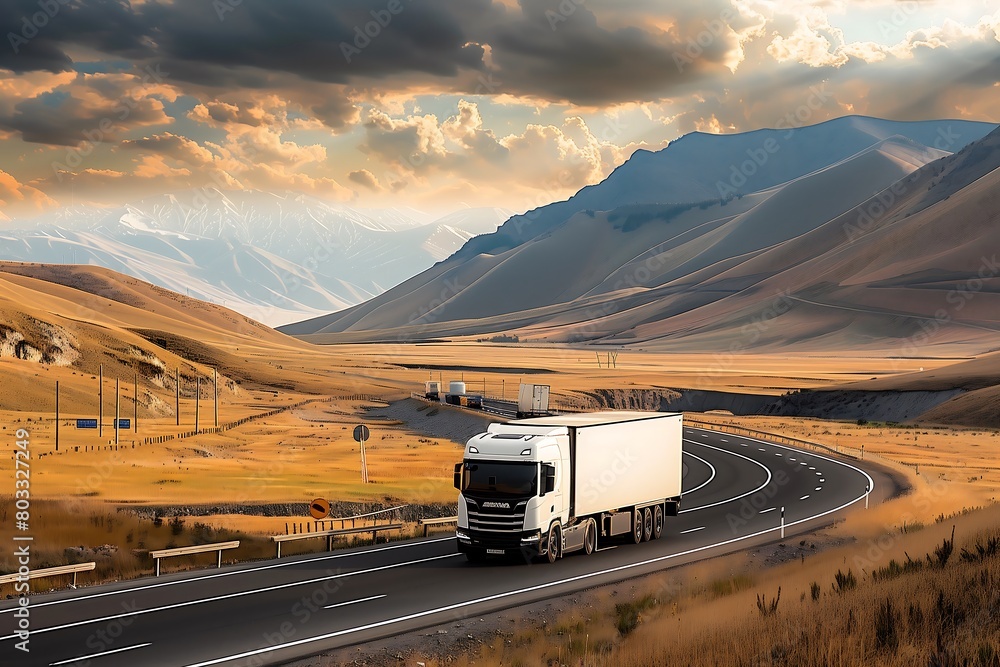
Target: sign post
361, 434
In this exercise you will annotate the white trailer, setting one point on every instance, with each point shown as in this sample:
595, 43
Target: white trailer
532, 400
551, 485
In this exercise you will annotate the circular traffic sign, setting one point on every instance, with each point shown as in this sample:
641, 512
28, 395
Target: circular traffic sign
319, 508
361, 433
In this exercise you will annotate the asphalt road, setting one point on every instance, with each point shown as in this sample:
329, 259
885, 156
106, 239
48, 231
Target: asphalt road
272, 612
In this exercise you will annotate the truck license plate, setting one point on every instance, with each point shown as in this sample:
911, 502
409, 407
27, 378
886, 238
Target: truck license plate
495, 552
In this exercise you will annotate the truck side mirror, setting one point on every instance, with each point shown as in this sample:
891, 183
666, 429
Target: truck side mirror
458, 475
548, 478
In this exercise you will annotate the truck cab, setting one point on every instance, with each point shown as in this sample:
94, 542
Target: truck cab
513, 487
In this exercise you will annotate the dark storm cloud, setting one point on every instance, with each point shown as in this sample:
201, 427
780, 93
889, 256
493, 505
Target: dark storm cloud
38, 34
551, 49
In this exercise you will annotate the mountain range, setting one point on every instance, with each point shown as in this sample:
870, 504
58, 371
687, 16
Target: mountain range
273, 257
857, 233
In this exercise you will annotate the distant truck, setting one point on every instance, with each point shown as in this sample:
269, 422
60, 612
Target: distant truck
553, 485
432, 390
533, 400
456, 396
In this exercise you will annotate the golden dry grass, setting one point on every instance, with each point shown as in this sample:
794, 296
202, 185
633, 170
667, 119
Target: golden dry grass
707, 614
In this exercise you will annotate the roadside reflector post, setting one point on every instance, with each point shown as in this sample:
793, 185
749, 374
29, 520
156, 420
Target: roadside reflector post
867, 491
782, 523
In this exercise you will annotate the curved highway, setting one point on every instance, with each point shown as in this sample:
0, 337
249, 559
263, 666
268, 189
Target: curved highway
273, 612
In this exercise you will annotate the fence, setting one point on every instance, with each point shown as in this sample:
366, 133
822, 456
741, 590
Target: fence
50, 572
197, 549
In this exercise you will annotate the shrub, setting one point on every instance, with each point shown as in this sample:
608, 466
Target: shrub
844, 582
886, 637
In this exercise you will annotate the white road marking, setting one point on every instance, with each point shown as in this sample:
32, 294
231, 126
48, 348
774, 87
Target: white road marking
529, 589
608, 548
723, 440
804, 497
777, 454
822, 479
344, 604
761, 449
769, 509
98, 655
229, 596
230, 573
791, 458
818, 488
803, 463
819, 474
706, 482
743, 444
692, 530
812, 467
742, 495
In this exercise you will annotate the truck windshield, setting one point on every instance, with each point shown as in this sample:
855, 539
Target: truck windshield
502, 479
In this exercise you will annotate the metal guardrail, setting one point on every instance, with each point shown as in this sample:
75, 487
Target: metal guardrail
330, 534
436, 522
49, 572
774, 437
195, 549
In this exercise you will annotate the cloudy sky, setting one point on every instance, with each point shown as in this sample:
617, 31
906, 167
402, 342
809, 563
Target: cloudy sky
437, 104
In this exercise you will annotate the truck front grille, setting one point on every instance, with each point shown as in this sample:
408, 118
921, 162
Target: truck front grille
496, 521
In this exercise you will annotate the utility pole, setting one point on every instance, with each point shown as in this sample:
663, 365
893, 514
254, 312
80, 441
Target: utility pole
135, 402
215, 382
57, 415
197, 404
100, 402
117, 407
177, 394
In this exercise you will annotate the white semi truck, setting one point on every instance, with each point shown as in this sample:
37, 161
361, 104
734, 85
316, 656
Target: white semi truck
552, 485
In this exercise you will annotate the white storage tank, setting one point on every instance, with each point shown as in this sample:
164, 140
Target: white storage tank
457, 388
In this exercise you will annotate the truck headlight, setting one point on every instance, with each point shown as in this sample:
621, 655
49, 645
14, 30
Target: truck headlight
462, 536
530, 538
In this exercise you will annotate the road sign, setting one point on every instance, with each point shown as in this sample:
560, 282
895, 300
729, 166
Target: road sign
319, 508
86, 423
125, 423
361, 433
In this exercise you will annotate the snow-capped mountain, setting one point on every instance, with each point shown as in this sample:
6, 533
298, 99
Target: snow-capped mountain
273, 257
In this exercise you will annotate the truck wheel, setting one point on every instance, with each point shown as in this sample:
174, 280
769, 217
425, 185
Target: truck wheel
590, 538
552, 546
637, 526
657, 522
647, 524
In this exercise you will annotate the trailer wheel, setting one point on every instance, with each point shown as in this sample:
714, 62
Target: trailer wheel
637, 526
647, 524
555, 539
657, 522
590, 537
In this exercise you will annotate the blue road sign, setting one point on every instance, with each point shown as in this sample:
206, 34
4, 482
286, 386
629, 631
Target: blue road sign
86, 423
124, 423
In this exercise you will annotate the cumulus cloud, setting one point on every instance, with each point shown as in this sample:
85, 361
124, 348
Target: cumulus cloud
365, 179
89, 108
19, 199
